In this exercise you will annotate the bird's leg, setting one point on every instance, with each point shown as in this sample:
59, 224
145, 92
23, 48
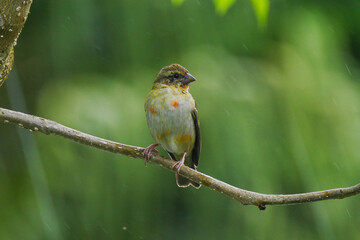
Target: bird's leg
177, 166
148, 151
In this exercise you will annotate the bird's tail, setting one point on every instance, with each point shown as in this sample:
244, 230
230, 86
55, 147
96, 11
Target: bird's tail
184, 182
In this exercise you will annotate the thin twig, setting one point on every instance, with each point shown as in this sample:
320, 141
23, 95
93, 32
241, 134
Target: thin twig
34, 123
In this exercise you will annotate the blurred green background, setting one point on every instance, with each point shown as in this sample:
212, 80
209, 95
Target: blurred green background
279, 106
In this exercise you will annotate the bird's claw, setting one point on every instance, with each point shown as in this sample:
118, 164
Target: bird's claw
177, 166
149, 151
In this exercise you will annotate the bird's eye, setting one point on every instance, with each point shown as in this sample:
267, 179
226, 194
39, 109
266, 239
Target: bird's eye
176, 75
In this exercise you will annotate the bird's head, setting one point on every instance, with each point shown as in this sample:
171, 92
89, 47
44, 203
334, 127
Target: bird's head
174, 75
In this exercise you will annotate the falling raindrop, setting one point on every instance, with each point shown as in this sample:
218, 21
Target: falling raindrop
226, 112
348, 69
347, 210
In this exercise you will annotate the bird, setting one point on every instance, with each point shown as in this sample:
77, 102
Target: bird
172, 118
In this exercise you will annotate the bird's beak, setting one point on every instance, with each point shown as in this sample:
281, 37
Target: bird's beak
188, 79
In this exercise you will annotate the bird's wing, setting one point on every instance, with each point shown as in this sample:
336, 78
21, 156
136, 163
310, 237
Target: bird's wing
172, 156
195, 155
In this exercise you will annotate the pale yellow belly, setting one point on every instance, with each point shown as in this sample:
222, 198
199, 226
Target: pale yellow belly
169, 119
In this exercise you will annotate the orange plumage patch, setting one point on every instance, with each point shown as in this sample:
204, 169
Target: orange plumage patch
185, 87
152, 110
184, 138
175, 104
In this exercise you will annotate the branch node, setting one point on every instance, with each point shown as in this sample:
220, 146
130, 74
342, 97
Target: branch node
262, 207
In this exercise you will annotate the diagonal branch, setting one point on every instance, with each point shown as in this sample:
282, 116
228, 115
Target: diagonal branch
34, 123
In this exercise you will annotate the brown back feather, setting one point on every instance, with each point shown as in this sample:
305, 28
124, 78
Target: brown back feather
195, 154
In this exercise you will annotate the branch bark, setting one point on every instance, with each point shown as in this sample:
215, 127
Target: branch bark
34, 123
13, 15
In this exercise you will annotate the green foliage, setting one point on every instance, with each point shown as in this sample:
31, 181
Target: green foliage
261, 8
177, 2
222, 6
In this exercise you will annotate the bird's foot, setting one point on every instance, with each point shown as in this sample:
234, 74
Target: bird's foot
149, 151
177, 166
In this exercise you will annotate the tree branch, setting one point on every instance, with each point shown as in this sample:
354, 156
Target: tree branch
34, 123
13, 15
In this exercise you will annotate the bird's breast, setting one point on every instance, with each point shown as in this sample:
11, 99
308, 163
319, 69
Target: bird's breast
168, 114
